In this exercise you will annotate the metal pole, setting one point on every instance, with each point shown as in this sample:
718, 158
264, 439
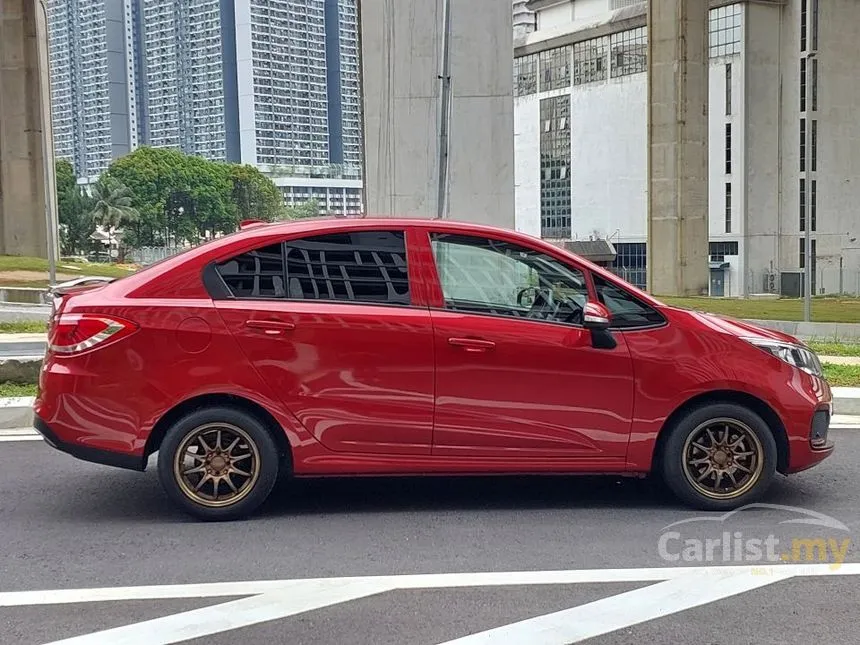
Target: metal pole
444, 111
807, 250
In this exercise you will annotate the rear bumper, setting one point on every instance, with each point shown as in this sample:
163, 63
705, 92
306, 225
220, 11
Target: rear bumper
86, 453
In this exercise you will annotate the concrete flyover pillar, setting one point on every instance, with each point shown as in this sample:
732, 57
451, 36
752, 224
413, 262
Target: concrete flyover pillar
26, 142
678, 147
403, 46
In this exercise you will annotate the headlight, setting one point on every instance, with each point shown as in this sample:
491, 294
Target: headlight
797, 355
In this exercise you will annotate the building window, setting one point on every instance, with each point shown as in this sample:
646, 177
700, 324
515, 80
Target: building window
813, 253
803, 145
802, 205
813, 162
724, 27
814, 24
589, 61
526, 75
728, 89
813, 203
555, 167
803, 21
631, 262
719, 250
728, 148
629, 52
555, 68
813, 81
803, 85
728, 207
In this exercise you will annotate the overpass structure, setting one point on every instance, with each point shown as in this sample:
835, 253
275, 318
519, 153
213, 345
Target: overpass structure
28, 220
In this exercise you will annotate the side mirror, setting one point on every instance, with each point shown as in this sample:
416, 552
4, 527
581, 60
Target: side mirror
596, 317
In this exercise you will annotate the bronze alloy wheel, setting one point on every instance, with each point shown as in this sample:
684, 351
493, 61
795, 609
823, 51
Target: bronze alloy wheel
217, 465
723, 458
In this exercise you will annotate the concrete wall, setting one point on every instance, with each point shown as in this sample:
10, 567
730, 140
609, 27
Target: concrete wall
401, 46
24, 129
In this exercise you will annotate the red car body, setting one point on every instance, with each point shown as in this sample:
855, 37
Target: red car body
357, 388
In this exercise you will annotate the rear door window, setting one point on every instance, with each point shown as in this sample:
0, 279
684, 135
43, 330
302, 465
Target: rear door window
356, 266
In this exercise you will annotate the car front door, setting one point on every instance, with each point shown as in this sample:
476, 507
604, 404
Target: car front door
329, 324
516, 373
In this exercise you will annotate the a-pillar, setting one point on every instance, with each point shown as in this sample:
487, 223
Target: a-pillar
26, 148
678, 147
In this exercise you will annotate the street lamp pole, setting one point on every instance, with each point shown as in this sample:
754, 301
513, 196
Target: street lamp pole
807, 204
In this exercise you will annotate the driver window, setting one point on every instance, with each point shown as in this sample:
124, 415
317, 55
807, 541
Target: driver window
486, 276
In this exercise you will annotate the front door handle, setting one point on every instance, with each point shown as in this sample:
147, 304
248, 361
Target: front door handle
270, 327
472, 344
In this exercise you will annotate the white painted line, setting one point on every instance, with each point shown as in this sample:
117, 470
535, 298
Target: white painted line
420, 581
207, 621
620, 611
19, 434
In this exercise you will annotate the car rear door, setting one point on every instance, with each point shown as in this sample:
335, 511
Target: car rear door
329, 324
521, 379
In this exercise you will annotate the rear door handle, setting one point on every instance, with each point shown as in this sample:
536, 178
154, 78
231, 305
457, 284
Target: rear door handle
270, 327
472, 344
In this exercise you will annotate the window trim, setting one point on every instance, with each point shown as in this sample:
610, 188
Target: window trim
217, 287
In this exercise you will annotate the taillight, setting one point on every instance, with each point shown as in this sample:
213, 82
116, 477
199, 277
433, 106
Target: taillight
78, 333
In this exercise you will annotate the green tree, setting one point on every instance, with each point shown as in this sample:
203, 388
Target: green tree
112, 206
73, 208
254, 195
179, 197
310, 208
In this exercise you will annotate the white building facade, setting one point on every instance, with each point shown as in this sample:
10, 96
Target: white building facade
776, 69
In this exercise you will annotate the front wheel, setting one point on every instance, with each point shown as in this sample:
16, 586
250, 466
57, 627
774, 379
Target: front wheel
719, 457
218, 463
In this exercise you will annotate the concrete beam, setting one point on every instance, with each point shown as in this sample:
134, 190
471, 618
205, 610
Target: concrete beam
26, 142
678, 147
401, 46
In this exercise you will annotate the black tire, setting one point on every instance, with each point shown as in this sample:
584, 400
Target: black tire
253, 437
679, 476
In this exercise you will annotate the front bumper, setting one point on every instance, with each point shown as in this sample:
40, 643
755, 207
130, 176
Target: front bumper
86, 453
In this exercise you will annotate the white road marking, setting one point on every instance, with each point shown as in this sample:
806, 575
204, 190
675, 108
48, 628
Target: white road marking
207, 621
418, 581
623, 610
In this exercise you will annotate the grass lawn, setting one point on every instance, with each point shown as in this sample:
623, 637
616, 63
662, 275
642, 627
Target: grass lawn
842, 375
8, 390
830, 348
20, 271
23, 327
823, 309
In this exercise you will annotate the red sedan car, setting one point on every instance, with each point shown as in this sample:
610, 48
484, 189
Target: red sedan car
397, 347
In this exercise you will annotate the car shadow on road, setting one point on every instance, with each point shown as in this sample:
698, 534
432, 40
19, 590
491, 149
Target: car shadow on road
118, 495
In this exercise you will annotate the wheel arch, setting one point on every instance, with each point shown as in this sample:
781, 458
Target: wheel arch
760, 407
210, 400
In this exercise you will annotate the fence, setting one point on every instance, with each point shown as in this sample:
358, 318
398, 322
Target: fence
827, 281
150, 254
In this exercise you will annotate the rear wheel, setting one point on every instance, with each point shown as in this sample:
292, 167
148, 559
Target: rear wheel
218, 463
719, 457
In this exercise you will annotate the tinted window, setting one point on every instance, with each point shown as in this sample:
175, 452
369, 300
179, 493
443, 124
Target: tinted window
627, 311
363, 266
256, 274
487, 276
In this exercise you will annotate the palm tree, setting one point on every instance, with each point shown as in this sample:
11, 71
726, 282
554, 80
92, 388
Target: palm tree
112, 207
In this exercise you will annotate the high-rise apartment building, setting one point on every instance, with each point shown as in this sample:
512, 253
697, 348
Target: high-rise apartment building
93, 89
272, 83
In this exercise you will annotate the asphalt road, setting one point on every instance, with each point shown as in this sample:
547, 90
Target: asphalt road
66, 525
